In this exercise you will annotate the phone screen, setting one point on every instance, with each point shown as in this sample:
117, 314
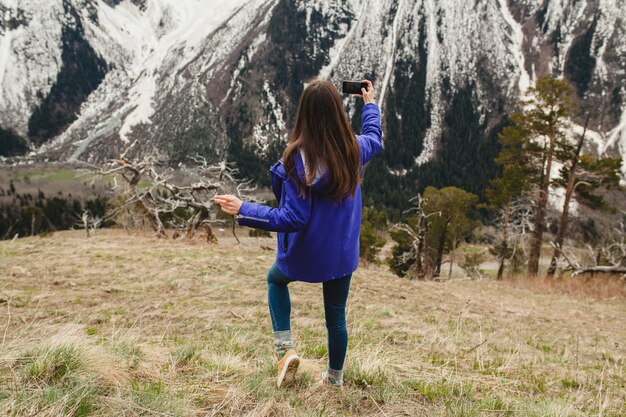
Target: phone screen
352, 87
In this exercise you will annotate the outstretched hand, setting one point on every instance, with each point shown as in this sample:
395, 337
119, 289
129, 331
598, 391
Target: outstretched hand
367, 94
228, 203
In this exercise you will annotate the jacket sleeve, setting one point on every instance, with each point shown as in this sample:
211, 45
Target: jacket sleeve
371, 137
292, 216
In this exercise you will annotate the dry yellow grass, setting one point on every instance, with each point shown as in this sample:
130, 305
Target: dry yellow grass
135, 325
599, 286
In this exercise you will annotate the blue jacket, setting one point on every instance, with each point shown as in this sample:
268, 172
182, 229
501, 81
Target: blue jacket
318, 239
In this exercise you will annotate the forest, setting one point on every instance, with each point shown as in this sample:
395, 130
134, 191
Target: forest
25, 214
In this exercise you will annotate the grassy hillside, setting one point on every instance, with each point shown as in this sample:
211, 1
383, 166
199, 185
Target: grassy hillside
53, 179
126, 325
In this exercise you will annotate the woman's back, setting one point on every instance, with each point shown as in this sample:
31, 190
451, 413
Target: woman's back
323, 242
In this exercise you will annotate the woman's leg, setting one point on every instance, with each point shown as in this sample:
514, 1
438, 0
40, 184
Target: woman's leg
280, 309
335, 298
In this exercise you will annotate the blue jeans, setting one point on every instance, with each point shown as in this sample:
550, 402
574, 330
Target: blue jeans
335, 297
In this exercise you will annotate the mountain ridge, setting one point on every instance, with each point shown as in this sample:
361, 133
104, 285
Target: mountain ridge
222, 78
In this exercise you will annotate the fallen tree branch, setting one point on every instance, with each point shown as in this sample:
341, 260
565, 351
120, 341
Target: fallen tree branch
576, 269
601, 269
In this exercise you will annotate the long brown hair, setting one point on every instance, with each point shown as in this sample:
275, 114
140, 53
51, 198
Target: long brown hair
323, 132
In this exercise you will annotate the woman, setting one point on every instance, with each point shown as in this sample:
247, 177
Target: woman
317, 185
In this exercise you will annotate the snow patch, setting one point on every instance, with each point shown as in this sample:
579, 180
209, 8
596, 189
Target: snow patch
392, 53
261, 137
274, 125
335, 52
141, 96
617, 137
276, 110
5, 51
397, 172
433, 85
556, 195
245, 59
192, 22
516, 46
30, 61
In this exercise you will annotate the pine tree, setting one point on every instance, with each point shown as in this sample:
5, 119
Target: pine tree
452, 224
409, 252
584, 174
539, 139
373, 222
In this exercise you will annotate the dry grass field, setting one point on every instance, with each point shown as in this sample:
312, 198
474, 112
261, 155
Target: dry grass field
121, 325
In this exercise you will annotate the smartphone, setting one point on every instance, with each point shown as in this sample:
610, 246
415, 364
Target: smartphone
352, 87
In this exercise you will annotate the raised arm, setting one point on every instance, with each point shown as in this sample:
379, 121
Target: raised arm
371, 137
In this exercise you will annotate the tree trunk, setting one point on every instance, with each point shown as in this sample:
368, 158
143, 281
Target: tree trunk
500, 270
419, 265
505, 241
571, 181
451, 258
440, 248
537, 236
210, 236
613, 270
194, 223
540, 215
86, 225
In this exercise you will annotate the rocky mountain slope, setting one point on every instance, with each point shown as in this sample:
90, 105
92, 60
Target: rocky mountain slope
93, 79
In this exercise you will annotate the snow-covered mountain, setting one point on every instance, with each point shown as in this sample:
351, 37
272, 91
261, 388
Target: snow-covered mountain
93, 79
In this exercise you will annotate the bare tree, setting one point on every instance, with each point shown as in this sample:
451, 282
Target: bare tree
416, 231
515, 220
89, 223
149, 195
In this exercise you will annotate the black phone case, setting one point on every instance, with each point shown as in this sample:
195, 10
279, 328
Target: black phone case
352, 87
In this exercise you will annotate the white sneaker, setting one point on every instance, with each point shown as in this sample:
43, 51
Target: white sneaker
326, 381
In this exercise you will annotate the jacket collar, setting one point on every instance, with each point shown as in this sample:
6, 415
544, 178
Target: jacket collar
279, 169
